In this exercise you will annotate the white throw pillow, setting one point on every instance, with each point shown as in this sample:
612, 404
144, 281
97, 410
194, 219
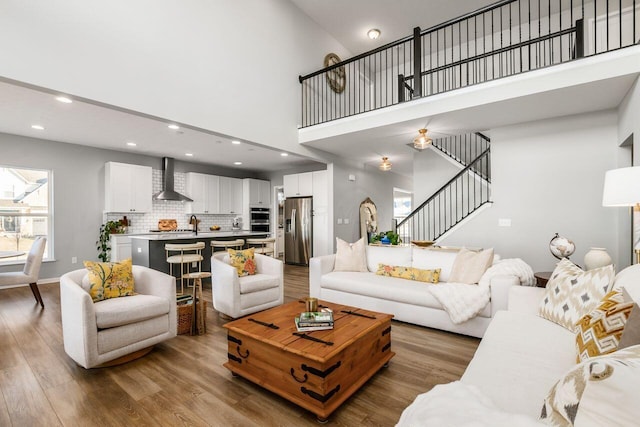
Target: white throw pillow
350, 256
601, 391
469, 266
571, 293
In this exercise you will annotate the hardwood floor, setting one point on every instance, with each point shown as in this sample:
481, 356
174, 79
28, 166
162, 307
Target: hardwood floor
183, 382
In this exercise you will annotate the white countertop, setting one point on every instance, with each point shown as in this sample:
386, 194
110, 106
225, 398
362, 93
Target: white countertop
192, 235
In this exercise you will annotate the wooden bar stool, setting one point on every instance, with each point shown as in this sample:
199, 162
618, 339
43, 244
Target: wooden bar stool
265, 246
198, 323
226, 244
184, 254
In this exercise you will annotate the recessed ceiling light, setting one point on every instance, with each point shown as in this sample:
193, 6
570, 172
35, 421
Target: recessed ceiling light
174, 127
64, 99
236, 142
37, 127
237, 163
131, 144
284, 154
188, 154
373, 33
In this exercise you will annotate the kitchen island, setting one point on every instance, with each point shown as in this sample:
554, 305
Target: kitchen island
148, 249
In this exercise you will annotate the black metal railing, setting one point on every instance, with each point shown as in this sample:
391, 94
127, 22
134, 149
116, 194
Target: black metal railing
452, 203
463, 149
503, 39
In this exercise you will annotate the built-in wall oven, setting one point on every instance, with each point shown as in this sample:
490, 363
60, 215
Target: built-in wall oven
260, 219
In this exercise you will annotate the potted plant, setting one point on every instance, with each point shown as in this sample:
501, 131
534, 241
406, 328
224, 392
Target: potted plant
103, 243
386, 238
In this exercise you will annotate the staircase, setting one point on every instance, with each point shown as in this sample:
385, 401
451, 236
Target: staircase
462, 195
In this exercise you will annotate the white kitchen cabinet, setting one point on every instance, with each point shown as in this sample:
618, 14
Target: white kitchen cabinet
231, 194
204, 190
120, 247
258, 192
128, 188
298, 185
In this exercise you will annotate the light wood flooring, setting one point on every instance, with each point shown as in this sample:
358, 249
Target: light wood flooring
182, 382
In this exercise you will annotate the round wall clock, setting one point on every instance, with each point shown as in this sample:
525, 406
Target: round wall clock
335, 77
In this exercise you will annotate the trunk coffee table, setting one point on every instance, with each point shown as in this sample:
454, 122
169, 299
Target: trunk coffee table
316, 370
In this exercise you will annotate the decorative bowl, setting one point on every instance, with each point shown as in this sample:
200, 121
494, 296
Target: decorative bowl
423, 243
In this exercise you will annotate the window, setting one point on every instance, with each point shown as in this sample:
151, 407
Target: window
401, 204
25, 210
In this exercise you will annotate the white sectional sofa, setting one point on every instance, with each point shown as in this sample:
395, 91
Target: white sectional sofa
407, 300
519, 360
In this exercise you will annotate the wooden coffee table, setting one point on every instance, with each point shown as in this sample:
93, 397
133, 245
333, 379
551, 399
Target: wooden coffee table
316, 370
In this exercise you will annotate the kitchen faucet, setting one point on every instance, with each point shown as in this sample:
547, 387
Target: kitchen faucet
193, 220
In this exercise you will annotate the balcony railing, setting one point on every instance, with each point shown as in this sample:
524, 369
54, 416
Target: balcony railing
500, 40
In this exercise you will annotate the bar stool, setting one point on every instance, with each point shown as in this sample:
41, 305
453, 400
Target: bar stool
226, 244
198, 323
264, 246
187, 253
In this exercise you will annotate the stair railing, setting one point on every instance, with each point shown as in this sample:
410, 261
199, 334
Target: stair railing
453, 202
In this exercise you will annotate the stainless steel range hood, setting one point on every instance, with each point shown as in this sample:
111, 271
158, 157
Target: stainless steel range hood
168, 192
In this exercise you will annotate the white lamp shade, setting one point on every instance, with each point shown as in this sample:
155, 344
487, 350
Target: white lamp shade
622, 187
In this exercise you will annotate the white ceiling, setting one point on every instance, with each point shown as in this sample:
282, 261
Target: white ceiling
86, 123
348, 21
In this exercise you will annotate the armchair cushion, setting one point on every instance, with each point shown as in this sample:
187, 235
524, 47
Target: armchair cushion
109, 279
257, 282
115, 312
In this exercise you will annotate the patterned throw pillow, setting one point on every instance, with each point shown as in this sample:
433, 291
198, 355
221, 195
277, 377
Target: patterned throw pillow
109, 279
244, 261
409, 273
571, 293
598, 392
599, 332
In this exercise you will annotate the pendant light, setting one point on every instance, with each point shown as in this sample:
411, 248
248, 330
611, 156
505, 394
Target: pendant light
421, 141
385, 165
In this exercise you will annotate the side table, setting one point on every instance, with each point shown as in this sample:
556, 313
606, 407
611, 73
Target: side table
199, 324
542, 277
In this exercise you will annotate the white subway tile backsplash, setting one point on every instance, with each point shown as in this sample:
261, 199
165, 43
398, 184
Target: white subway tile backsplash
162, 209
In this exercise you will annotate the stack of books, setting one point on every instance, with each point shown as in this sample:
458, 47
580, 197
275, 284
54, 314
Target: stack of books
184, 299
314, 321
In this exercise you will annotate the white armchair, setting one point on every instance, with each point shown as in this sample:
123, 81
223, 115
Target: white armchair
118, 329
236, 296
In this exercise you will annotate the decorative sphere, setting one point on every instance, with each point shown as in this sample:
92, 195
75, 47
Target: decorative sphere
561, 247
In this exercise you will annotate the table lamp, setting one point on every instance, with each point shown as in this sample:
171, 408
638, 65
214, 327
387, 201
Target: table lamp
622, 188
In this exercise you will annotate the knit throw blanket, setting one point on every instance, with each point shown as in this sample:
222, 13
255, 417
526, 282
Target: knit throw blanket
463, 302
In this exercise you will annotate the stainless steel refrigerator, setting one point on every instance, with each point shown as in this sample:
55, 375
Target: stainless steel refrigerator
298, 226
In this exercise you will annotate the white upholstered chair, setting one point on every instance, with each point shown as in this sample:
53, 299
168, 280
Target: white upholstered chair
30, 273
236, 296
116, 330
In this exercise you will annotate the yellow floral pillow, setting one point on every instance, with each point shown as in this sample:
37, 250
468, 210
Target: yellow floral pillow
409, 273
110, 279
244, 261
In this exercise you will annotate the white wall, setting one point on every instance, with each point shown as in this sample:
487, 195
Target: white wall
430, 172
347, 196
227, 66
547, 177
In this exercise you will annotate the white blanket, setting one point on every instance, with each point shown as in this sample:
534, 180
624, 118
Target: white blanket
459, 405
463, 302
